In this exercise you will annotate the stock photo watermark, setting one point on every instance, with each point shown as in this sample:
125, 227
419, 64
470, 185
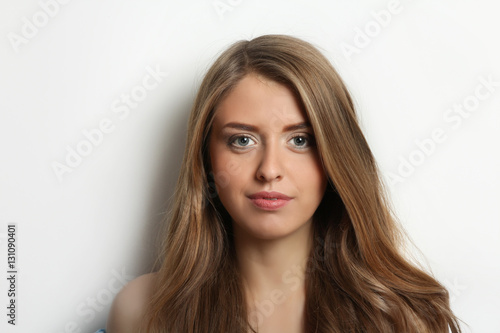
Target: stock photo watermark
88, 309
222, 7
363, 37
30, 27
453, 118
11, 272
455, 288
121, 108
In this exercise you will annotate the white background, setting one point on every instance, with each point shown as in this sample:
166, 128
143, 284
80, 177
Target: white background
82, 236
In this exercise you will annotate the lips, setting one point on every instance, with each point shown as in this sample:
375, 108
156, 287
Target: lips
269, 200
269, 195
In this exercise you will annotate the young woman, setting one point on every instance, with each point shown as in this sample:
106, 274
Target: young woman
280, 222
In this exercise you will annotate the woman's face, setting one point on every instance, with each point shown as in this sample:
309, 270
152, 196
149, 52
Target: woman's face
265, 164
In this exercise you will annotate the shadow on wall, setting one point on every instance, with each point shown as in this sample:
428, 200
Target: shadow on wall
164, 177
164, 173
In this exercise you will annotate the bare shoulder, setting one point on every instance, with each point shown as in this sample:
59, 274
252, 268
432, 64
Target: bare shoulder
129, 305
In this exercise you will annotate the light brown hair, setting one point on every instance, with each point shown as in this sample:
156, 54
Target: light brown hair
357, 279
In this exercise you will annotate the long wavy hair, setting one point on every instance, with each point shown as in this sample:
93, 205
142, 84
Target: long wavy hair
357, 279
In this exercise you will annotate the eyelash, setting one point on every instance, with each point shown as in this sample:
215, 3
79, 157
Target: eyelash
309, 141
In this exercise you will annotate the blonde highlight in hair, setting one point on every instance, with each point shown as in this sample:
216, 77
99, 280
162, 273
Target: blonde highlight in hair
356, 281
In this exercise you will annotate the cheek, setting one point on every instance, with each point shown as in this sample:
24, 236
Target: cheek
227, 171
313, 181
233, 167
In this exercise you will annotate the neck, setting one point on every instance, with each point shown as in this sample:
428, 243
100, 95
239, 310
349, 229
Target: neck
274, 269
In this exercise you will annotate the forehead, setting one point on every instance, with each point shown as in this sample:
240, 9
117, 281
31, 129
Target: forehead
259, 101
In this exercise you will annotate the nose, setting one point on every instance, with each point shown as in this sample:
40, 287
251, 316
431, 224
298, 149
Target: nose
271, 164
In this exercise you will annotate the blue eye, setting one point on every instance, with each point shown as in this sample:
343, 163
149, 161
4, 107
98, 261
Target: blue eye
301, 141
243, 141
240, 141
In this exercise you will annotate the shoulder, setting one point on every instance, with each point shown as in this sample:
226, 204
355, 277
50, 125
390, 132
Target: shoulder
129, 305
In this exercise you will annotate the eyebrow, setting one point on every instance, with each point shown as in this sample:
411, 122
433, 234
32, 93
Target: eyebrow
288, 128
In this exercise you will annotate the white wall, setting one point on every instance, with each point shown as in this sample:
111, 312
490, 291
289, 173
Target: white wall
82, 235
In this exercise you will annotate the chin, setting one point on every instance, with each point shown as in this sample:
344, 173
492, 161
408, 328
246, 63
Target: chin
268, 228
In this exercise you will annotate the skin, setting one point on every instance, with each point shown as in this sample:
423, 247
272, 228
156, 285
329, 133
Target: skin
130, 304
268, 156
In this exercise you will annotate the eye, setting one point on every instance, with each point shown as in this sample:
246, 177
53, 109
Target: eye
301, 141
240, 141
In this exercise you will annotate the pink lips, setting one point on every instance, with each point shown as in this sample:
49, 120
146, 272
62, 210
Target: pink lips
269, 200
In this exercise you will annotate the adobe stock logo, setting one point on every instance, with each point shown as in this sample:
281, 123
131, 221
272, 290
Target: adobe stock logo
121, 108
88, 310
454, 118
224, 6
30, 28
363, 37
